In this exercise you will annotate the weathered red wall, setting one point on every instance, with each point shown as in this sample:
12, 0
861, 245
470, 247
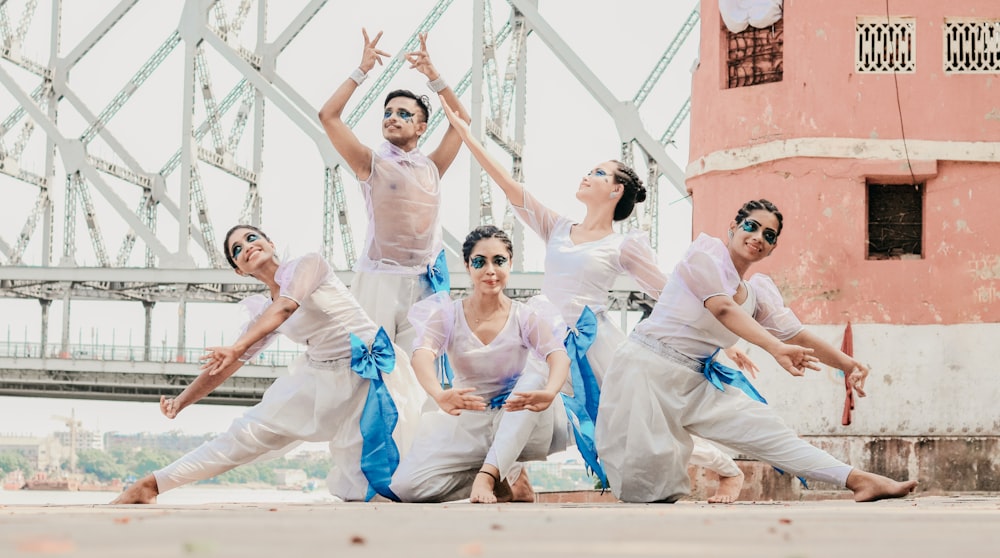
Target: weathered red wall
820, 263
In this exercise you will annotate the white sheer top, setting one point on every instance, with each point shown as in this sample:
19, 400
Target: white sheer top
578, 275
403, 198
326, 316
680, 318
494, 368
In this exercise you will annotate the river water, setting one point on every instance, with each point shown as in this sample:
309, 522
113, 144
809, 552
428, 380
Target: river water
182, 495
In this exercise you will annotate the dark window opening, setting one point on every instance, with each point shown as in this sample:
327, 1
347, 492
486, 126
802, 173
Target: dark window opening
754, 56
895, 221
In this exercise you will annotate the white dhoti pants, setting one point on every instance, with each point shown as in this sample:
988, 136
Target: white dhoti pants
449, 450
316, 402
387, 298
600, 354
654, 399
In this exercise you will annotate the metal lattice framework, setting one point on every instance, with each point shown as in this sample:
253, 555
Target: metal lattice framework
103, 181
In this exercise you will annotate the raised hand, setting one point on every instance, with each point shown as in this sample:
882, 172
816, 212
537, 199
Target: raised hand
795, 359
537, 400
455, 400
372, 53
457, 122
421, 61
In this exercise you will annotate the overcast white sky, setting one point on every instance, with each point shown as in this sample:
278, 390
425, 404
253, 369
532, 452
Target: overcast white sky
567, 134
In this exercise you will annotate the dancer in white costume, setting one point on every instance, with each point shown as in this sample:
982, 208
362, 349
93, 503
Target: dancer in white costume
497, 414
663, 384
402, 191
582, 261
324, 397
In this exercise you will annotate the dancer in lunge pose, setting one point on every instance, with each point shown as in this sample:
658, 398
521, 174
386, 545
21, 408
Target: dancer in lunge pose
582, 261
402, 191
664, 386
497, 414
350, 388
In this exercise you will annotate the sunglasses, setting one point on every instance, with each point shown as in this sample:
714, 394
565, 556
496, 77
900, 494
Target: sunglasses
403, 115
238, 249
751, 226
479, 262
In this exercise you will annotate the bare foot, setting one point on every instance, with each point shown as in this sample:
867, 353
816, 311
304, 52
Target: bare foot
869, 487
482, 488
728, 491
143, 491
521, 490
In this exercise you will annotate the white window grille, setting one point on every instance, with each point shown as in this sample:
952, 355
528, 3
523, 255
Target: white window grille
885, 45
971, 45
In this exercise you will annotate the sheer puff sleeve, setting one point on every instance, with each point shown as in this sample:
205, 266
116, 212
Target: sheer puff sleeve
639, 261
254, 306
542, 334
539, 218
771, 311
298, 278
433, 319
707, 270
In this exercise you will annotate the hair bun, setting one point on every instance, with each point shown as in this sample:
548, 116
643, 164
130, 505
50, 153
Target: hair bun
640, 194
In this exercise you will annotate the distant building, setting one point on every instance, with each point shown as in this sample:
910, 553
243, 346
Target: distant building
875, 128
44, 454
290, 478
85, 439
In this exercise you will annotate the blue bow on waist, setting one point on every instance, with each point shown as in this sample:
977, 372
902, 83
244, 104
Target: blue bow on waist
437, 274
440, 280
581, 408
498, 401
717, 374
379, 454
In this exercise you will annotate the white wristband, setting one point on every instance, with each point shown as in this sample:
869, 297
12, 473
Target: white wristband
358, 76
438, 85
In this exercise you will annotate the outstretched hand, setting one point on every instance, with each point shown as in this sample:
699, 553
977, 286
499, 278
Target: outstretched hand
218, 359
742, 361
856, 378
795, 359
455, 400
421, 61
169, 406
372, 53
537, 401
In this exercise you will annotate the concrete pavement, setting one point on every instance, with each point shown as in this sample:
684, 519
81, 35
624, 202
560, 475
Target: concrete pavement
924, 526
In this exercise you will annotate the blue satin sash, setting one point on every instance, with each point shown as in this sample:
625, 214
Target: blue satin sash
379, 454
498, 401
440, 280
718, 374
581, 408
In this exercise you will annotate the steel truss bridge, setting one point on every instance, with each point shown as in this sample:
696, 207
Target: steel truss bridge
169, 250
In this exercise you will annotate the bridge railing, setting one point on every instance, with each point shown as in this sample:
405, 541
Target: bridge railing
129, 353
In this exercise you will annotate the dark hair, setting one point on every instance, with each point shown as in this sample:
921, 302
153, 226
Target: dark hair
633, 191
225, 240
481, 233
754, 205
423, 101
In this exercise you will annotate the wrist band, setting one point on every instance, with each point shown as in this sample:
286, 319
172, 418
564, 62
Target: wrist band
438, 85
358, 76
